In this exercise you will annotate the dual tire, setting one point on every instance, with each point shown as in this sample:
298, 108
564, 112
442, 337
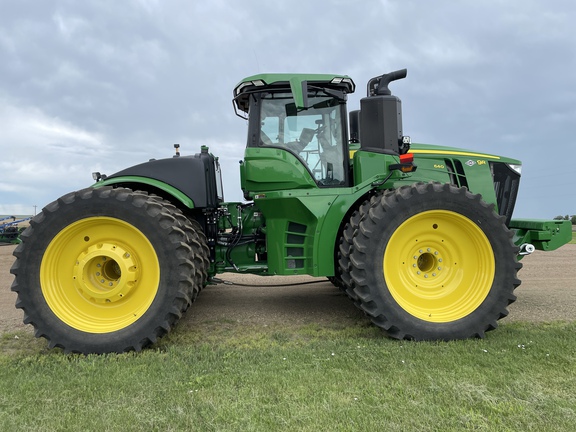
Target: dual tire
429, 261
107, 270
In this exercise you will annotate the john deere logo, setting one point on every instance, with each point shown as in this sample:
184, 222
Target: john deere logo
470, 163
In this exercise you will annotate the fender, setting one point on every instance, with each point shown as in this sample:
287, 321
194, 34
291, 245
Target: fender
189, 179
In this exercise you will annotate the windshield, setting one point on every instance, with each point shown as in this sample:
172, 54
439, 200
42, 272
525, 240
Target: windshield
314, 134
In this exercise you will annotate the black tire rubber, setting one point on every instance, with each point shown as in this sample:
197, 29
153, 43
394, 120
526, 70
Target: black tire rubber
135, 209
196, 239
345, 249
204, 252
379, 222
336, 281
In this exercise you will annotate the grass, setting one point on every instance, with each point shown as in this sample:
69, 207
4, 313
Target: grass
229, 377
573, 241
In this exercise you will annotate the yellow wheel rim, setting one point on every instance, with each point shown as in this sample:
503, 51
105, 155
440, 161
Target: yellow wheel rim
439, 266
99, 274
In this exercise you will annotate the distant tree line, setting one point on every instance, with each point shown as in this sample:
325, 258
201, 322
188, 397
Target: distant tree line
567, 217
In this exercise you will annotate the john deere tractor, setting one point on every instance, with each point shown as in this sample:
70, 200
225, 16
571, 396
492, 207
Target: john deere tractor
420, 237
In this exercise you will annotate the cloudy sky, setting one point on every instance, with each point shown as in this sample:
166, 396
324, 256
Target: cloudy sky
98, 85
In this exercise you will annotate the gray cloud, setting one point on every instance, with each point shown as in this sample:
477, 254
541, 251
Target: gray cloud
100, 85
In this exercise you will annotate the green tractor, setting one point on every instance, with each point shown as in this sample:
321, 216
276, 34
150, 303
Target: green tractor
420, 237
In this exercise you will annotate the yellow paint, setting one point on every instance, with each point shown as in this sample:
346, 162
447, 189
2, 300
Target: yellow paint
99, 275
439, 266
451, 152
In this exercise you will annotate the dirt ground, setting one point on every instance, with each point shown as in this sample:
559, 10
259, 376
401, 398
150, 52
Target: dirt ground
547, 293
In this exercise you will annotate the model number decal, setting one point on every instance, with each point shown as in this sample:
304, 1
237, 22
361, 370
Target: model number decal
439, 166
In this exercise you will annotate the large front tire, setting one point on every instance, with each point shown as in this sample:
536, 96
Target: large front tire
347, 245
433, 262
103, 270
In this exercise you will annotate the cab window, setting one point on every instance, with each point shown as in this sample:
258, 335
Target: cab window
314, 134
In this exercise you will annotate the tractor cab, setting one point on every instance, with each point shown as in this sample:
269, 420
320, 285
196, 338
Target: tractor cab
297, 131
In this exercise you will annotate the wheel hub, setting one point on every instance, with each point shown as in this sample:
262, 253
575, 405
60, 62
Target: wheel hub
105, 272
427, 263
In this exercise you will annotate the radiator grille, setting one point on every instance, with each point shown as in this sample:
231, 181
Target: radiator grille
506, 183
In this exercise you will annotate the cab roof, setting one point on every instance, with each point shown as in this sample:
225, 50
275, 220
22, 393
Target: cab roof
297, 83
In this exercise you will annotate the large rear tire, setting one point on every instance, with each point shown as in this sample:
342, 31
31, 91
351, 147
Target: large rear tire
103, 270
433, 262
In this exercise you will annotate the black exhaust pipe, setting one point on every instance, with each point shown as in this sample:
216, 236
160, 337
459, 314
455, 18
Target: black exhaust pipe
378, 86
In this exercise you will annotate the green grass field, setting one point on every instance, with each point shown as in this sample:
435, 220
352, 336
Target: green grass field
229, 377
573, 238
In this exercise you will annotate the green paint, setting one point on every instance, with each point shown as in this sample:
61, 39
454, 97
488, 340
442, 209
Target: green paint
545, 235
130, 181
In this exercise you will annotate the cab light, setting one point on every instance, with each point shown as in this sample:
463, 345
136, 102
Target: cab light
340, 80
516, 168
257, 83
